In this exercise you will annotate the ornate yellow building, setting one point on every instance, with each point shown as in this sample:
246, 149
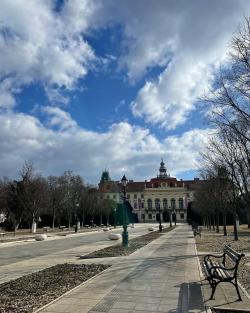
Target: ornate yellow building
163, 195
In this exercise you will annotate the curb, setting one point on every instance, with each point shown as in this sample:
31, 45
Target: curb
208, 310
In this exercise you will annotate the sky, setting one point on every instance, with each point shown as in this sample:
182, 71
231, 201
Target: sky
88, 85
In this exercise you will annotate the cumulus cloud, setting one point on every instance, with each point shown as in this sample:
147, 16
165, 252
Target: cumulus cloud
122, 148
41, 45
187, 39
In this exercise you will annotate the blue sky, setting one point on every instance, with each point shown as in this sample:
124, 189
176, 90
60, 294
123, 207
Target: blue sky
87, 85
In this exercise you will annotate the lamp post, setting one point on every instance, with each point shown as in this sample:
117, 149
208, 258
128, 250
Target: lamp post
160, 226
115, 218
170, 216
76, 218
124, 182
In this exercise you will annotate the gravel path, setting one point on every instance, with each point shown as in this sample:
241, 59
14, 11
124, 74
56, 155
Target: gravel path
213, 242
28, 293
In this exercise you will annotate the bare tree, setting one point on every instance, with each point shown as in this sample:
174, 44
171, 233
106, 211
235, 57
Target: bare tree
230, 113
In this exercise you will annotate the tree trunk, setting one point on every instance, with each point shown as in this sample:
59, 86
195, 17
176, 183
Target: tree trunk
235, 227
83, 219
248, 218
101, 219
209, 221
53, 221
217, 222
213, 222
68, 221
225, 223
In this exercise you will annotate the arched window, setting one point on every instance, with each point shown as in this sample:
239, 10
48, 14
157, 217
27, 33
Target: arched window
149, 204
165, 204
157, 204
173, 204
181, 203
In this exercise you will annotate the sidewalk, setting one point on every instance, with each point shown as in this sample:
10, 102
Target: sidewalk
24, 267
161, 277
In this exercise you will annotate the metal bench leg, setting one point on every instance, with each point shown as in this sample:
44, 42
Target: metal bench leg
213, 286
237, 289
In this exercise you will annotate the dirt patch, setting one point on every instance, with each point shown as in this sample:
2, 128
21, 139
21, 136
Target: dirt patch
30, 292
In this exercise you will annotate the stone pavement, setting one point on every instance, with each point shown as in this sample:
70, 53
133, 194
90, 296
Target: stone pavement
161, 277
34, 264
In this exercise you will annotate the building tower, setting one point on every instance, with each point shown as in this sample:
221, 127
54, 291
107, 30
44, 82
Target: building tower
105, 177
162, 170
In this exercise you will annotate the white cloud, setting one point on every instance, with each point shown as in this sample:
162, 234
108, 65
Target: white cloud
59, 118
122, 148
188, 39
167, 101
38, 44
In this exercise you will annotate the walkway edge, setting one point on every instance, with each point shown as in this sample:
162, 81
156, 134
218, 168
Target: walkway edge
208, 310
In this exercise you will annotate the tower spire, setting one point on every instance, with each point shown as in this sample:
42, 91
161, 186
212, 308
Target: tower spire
162, 170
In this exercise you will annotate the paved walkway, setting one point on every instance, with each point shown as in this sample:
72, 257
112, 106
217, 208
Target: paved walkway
161, 277
33, 264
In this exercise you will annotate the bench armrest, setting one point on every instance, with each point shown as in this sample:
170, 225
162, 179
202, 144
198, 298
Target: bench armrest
207, 257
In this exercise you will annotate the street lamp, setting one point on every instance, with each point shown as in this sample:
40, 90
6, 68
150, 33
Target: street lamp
76, 218
170, 216
160, 226
124, 182
115, 218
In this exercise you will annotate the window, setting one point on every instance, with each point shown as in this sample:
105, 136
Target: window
108, 187
135, 205
135, 196
128, 196
142, 205
114, 196
107, 196
173, 204
165, 204
142, 196
143, 216
150, 216
182, 216
157, 204
171, 184
163, 185
101, 197
149, 204
181, 203
156, 185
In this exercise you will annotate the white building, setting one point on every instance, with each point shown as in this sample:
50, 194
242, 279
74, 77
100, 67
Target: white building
163, 195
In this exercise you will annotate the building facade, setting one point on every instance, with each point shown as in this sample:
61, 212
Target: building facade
162, 196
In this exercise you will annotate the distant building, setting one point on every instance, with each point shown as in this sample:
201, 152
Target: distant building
162, 194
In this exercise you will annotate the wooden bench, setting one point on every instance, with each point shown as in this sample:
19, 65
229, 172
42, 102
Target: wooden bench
62, 228
222, 268
46, 228
2, 234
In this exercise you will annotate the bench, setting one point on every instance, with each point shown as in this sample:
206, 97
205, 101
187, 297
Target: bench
222, 268
2, 234
62, 228
197, 231
46, 228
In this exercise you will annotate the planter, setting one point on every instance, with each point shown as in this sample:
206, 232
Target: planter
113, 236
40, 237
